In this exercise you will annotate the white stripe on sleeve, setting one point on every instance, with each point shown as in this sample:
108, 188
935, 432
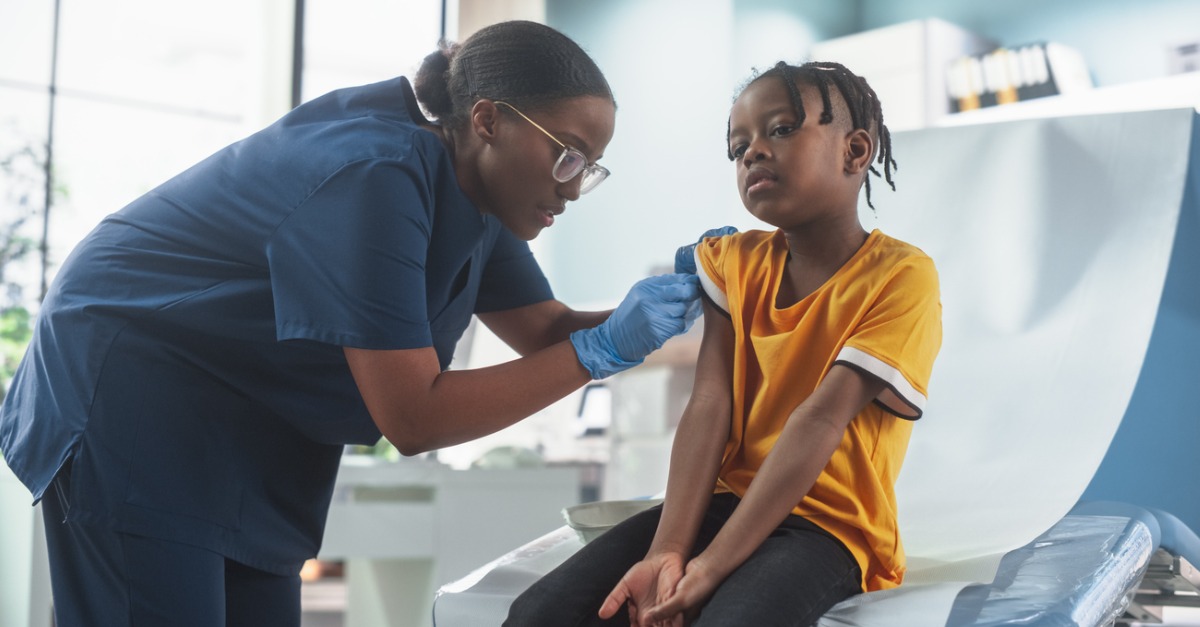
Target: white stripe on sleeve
718, 297
900, 397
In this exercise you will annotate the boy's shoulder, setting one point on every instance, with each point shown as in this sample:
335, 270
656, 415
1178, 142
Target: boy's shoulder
742, 244
750, 240
898, 249
759, 247
893, 259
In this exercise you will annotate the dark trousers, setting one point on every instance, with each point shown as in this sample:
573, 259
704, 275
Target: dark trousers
795, 576
103, 578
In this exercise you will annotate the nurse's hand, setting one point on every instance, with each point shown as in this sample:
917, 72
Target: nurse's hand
685, 257
655, 310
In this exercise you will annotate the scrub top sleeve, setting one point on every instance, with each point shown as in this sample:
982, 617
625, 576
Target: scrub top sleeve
348, 265
512, 277
900, 336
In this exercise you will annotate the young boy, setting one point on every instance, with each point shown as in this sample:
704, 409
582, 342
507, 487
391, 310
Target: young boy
819, 340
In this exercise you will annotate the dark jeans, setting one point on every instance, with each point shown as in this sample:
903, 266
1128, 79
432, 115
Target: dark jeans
795, 576
103, 578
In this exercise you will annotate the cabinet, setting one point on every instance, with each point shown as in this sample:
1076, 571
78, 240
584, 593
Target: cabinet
906, 66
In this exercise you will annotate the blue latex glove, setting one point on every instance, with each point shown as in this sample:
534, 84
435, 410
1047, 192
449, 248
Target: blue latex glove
685, 257
654, 311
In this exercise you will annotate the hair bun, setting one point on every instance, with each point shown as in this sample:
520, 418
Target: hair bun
432, 85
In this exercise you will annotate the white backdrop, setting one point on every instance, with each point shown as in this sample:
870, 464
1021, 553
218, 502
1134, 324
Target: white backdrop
1052, 240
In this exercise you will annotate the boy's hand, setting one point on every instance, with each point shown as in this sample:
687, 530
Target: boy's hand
649, 582
697, 585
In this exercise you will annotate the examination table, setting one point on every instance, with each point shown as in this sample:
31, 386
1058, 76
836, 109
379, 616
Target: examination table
1102, 562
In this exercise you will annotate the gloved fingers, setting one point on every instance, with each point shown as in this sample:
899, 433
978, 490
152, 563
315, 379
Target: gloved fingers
669, 279
672, 287
685, 260
719, 232
655, 310
672, 310
686, 291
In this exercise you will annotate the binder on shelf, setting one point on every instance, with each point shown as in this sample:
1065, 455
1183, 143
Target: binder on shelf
1012, 74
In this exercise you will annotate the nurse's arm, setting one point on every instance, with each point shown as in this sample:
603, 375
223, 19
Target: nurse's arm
419, 408
533, 327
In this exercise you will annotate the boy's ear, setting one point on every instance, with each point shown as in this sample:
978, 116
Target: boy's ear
483, 119
859, 150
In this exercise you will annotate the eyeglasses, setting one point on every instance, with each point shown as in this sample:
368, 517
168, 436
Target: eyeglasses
571, 162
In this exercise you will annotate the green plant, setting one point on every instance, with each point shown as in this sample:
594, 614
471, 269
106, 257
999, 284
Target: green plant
22, 181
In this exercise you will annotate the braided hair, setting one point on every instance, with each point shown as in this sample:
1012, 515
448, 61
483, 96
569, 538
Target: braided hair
525, 63
861, 102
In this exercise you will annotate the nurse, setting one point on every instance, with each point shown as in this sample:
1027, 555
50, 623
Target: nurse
205, 354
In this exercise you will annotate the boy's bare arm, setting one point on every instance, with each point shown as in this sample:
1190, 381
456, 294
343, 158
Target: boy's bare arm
807, 442
695, 460
699, 440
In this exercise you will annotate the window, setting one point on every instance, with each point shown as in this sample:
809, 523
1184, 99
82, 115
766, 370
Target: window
354, 42
147, 88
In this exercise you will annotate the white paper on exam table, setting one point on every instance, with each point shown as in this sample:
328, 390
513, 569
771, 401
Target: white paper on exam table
1052, 239
1052, 263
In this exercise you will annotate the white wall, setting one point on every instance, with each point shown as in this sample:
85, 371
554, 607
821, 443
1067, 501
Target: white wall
673, 65
471, 15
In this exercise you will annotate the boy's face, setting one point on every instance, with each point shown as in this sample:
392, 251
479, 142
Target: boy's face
790, 175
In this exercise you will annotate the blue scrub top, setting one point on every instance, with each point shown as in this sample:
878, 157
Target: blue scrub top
188, 358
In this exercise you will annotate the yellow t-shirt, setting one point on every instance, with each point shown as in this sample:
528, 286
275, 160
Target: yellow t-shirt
880, 314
